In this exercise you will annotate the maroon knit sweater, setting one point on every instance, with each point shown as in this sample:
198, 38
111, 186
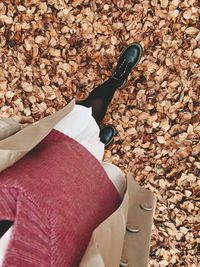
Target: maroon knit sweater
56, 195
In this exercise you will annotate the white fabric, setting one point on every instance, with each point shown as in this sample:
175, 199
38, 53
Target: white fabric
4, 244
116, 176
82, 127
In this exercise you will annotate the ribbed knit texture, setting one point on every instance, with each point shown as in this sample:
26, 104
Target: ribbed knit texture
56, 195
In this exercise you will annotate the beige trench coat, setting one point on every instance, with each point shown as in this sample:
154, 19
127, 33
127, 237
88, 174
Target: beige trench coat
121, 240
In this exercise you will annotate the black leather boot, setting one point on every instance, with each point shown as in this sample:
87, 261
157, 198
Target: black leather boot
107, 134
129, 58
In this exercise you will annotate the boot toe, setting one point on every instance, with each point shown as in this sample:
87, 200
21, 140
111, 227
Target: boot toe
107, 134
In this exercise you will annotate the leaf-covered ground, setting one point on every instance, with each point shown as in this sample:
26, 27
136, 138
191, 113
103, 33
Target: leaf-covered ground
54, 50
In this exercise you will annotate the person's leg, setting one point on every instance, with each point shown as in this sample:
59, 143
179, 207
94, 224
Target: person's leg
100, 98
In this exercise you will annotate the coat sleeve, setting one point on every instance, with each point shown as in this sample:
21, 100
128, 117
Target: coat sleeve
8, 127
123, 239
16, 140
